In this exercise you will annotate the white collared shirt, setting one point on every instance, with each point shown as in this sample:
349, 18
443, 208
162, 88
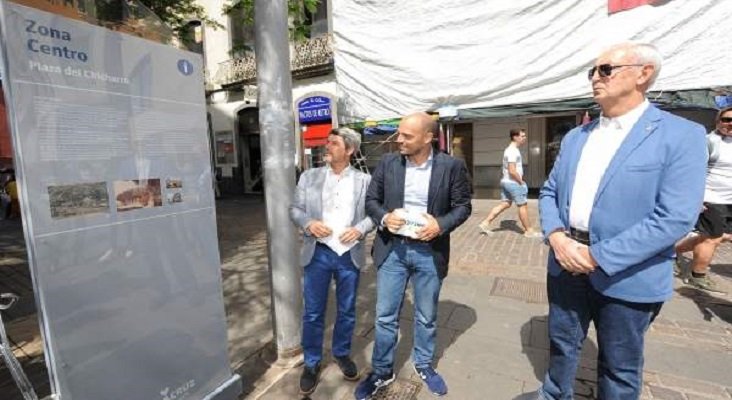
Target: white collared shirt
601, 146
417, 185
338, 207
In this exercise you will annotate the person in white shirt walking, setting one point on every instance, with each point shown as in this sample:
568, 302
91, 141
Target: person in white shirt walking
329, 207
715, 220
513, 187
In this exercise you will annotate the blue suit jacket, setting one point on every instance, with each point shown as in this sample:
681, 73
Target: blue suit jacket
649, 197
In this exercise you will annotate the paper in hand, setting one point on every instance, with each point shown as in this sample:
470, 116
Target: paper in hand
414, 221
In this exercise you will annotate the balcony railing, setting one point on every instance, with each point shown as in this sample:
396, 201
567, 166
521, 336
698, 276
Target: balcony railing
310, 58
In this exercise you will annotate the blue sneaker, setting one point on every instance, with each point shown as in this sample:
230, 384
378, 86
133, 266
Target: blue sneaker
372, 384
433, 380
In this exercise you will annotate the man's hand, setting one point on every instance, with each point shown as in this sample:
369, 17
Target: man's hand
571, 255
584, 251
393, 222
430, 230
318, 229
349, 235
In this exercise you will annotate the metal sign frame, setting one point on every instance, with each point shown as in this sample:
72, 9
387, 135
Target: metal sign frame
122, 245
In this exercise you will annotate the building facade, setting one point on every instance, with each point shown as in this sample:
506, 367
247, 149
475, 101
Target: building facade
351, 41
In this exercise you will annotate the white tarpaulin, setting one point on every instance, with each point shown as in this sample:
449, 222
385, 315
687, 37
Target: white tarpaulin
393, 57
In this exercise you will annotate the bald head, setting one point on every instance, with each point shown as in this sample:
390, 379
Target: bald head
415, 135
425, 122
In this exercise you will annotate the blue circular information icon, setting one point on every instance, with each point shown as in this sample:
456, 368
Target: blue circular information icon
185, 67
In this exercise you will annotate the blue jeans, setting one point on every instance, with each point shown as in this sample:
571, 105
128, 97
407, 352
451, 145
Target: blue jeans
620, 326
512, 191
324, 266
405, 261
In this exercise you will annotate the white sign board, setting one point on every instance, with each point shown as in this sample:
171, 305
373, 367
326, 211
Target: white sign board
113, 160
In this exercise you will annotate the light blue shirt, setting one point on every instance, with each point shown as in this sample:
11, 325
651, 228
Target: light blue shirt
417, 185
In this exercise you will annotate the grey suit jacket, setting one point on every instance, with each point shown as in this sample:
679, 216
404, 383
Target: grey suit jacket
308, 206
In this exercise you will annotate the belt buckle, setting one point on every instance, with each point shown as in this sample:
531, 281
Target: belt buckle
407, 239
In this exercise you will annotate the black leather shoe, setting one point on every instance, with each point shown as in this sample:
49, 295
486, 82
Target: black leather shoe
309, 379
348, 367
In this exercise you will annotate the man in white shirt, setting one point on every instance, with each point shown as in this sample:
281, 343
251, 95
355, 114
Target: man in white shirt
513, 187
715, 221
623, 190
329, 207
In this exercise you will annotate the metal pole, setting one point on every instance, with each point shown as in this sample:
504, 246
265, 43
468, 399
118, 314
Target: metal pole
276, 123
6, 353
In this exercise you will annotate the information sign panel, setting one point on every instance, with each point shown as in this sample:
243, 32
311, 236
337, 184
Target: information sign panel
113, 161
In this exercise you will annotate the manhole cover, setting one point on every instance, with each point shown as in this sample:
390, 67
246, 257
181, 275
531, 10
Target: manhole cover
399, 390
528, 291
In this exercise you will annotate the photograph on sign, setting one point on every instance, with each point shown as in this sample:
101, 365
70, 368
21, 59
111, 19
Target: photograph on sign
173, 183
79, 199
176, 197
135, 194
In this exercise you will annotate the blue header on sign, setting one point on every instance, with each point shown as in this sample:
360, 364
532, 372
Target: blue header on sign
314, 109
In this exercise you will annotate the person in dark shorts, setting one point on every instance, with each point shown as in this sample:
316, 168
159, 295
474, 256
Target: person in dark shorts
715, 220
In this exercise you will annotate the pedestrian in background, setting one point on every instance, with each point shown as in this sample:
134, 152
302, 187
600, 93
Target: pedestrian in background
715, 220
513, 186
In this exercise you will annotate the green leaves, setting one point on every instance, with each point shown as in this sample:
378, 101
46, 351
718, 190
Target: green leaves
300, 23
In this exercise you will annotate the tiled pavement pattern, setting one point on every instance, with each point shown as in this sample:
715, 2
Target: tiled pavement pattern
491, 328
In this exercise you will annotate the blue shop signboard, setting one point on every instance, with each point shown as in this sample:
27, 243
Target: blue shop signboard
314, 109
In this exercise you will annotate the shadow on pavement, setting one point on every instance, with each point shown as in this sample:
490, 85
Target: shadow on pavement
256, 366
710, 306
35, 369
535, 345
722, 269
453, 320
461, 318
509, 225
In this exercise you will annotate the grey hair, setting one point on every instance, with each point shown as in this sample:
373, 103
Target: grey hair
644, 53
351, 138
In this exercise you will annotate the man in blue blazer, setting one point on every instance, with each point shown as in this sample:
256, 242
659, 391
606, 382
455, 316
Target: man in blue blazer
623, 190
430, 191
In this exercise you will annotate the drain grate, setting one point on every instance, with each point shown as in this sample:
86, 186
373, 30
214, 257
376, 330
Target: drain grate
400, 389
519, 289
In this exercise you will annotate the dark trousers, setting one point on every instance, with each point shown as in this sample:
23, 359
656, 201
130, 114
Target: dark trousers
620, 326
327, 265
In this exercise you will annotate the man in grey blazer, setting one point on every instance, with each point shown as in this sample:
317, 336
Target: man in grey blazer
329, 209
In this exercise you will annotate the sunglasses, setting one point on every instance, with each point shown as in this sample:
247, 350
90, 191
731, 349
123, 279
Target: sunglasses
726, 120
605, 70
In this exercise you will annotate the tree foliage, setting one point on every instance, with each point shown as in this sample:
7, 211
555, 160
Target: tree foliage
178, 14
299, 27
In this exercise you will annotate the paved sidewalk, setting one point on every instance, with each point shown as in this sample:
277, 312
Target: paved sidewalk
491, 328
492, 340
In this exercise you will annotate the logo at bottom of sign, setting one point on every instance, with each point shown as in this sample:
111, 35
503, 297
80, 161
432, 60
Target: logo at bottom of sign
179, 392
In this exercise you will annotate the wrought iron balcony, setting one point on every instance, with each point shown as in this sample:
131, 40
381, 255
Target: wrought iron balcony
310, 58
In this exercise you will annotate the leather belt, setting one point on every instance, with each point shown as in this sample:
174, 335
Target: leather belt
407, 240
580, 236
